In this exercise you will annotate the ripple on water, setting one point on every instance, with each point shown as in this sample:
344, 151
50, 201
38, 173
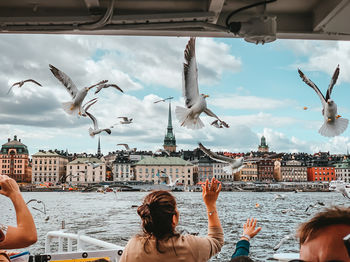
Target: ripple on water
111, 218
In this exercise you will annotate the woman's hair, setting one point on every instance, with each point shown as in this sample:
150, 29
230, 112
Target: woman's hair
328, 217
157, 213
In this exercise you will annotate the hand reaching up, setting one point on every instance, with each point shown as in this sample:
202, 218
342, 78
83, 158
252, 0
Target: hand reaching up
249, 228
210, 193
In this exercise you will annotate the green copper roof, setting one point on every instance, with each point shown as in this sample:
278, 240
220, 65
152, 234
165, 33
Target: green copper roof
169, 139
14, 144
263, 142
163, 161
344, 164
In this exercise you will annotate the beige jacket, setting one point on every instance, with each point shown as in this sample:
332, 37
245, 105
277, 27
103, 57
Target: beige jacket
183, 248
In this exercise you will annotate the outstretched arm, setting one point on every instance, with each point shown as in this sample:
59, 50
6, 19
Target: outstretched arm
25, 233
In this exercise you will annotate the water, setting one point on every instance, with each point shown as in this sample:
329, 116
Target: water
111, 218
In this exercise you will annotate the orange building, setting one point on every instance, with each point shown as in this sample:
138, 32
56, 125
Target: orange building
321, 173
14, 161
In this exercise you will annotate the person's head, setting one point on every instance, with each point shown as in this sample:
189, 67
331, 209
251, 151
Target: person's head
159, 214
321, 238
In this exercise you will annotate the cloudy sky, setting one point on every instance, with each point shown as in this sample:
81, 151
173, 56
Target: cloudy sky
256, 89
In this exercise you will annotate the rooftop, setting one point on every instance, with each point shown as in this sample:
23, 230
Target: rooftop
163, 161
83, 160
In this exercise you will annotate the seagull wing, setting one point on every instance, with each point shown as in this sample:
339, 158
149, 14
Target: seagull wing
32, 80
313, 86
31, 200
190, 74
10, 88
215, 156
94, 120
92, 101
210, 113
115, 86
125, 145
124, 118
332, 83
65, 80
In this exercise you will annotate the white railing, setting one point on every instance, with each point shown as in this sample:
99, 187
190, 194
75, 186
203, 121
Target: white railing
67, 248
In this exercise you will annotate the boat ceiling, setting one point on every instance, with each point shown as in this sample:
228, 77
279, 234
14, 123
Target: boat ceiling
296, 19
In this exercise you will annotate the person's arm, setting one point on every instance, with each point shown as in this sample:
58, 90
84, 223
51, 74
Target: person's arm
210, 195
25, 233
249, 231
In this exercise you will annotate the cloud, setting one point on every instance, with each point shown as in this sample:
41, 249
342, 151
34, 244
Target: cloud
234, 101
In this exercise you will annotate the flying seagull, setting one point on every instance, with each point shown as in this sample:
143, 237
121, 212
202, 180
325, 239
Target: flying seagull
284, 239
37, 209
87, 105
160, 150
78, 96
195, 102
333, 124
344, 192
163, 100
234, 164
314, 205
127, 148
125, 120
279, 196
94, 165
96, 130
21, 83
219, 124
104, 85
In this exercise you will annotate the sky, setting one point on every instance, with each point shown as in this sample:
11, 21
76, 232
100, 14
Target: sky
256, 89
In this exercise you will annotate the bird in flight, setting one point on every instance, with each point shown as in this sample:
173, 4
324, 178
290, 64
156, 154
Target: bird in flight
104, 85
195, 102
125, 120
333, 124
96, 130
21, 83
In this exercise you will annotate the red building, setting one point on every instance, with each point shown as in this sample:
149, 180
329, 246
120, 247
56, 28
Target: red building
265, 170
321, 173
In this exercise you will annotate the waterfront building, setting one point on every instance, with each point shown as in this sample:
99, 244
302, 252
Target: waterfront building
169, 139
342, 170
265, 169
263, 147
321, 173
160, 170
218, 172
14, 161
249, 172
205, 168
82, 171
48, 166
291, 171
122, 168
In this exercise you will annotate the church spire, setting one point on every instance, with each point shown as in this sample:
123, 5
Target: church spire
99, 148
169, 139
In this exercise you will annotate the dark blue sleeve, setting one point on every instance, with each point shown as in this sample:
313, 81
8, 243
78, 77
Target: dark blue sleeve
242, 249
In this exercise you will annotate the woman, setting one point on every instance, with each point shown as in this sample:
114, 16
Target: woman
161, 242
25, 233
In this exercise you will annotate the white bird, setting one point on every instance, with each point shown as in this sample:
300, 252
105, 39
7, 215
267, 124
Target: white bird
333, 124
96, 130
234, 164
285, 211
219, 124
99, 87
37, 209
279, 196
195, 102
127, 148
284, 239
125, 120
94, 165
21, 83
163, 100
343, 190
160, 150
171, 183
78, 96
87, 105
318, 203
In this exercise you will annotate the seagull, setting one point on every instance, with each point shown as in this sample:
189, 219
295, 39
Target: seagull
160, 150
195, 102
96, 130
78, 96
163, 100
318, 203
127, 148
21, 83
333, 124
104, 85
171, 183
125, 120
87, 105
279, 196
284, 239
234, 164
344, 192
94, 165
285, 211
216, 124
37, 209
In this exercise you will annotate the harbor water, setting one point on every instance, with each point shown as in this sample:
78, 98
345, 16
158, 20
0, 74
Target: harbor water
111, 217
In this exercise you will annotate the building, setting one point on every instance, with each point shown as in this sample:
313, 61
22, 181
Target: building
169, 139
249, 172
342, 170
14, 159
48, 166
85, 170
205, 168
263, 147
265, 169
290, 171
159, 170
219, 173
122, 168
321, 173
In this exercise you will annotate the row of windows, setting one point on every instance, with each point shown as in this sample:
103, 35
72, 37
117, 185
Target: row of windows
78, 167
15, 161
15, 171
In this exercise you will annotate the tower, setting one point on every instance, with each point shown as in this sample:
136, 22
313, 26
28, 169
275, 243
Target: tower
99, 148
169, 139
263, 147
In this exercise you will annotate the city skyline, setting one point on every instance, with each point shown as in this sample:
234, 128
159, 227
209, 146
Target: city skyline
149, 68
